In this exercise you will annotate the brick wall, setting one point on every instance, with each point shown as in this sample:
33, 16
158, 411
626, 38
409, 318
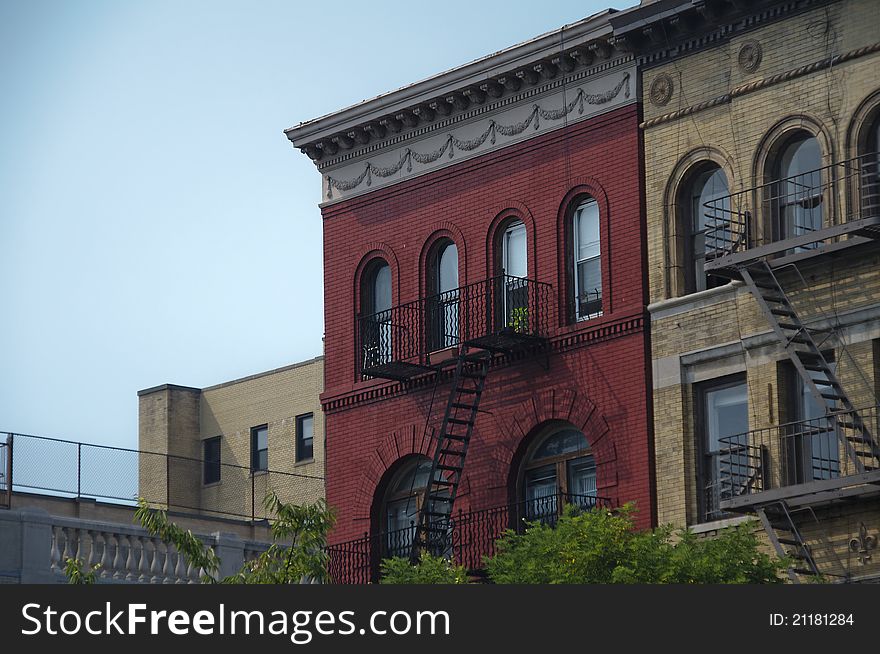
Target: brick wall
720, 332
601, 386
176, 420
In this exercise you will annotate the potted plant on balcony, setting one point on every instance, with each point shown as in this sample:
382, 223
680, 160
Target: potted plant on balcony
518, 322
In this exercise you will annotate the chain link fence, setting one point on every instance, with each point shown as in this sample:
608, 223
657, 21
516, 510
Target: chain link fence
119, 475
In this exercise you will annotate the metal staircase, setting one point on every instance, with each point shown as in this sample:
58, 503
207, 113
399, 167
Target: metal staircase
434, 526
777, 519
817, 375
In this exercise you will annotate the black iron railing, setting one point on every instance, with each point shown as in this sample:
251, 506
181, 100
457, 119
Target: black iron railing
786, 455
472, 536
791, 209
70, 469
409, 333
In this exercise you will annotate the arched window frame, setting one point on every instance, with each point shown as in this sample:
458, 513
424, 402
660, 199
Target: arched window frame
586, 303
442, 307
374, 322
796, 198
402, 492
689, 202
863, 144
547, 507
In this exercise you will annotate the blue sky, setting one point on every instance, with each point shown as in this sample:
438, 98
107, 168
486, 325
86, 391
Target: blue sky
155, 224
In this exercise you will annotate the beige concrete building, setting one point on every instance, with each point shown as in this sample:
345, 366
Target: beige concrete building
221, 449
761, 132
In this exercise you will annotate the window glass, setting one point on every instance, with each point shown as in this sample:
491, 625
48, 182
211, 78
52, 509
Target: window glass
707, 206
798, 194
558, 468
443, 306
305, 437
515, 260
382, 289
725, 427
260, 448
447, 269
588, 261
211, 459
402, 502
812, 444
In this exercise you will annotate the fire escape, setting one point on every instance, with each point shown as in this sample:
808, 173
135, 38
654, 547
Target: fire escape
463, 331
763, 236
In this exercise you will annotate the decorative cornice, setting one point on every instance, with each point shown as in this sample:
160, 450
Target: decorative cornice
382, 120
607, 331
751, 87
419, 129
452, 143
666, 29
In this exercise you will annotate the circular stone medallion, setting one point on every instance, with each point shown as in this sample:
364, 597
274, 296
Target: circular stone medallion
661, 90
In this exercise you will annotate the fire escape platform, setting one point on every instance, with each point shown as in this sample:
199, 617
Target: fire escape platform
506, 342
814, 493
861, 230
400, 371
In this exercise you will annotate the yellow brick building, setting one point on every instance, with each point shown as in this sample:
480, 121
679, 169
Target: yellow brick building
221, 449
761, 130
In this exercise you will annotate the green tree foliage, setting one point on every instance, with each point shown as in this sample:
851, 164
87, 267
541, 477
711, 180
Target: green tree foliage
430, 570
602, 547
76, 573
297, 553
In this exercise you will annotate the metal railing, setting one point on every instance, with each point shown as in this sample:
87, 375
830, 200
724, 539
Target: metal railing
410, 332
473, 536
786, 209
786, 455
118, 475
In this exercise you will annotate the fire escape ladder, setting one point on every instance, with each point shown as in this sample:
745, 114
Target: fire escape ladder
782, 531
433, 531
817, 375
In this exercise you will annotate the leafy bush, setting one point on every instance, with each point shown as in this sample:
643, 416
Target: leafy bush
602, 547
298, 550
430, 570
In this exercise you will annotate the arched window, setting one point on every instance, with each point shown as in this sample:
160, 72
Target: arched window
703, 203
443, 294
513, 285
869, 167
401, 504
376, 313
586, 260
558, 469
796, 198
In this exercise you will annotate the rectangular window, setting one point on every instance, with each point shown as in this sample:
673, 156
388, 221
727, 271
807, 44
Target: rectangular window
211, 460
587, 261
810, 441
722, 426
260, 448
305, 437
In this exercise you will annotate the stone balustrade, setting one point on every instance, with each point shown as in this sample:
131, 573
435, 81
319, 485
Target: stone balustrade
34, 547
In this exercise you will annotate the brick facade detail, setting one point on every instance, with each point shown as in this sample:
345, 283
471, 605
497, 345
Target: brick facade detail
596, 373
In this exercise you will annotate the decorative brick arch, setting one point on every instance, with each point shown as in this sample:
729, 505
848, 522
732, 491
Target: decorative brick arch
515, 427
862, 119
404, 442
675, 231
501, 215
580, 187
452, 232
372, 251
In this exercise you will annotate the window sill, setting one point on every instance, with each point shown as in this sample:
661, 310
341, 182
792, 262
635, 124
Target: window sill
304, 462
212, 484
259, 473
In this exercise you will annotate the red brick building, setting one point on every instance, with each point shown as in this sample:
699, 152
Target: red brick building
497, 203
